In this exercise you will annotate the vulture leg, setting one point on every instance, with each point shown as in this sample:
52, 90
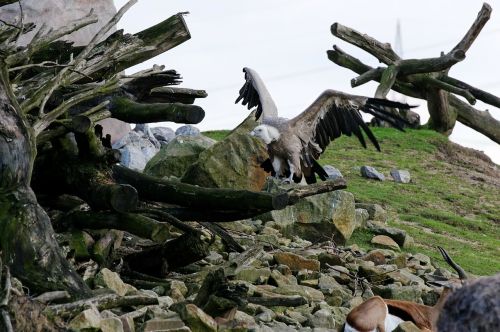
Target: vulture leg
277, 164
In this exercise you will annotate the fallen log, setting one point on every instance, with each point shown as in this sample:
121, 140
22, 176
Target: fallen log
102, 302
132, 112
133, 223
159, 260
155, 189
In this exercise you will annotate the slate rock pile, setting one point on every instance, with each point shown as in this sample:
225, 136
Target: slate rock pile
281, 282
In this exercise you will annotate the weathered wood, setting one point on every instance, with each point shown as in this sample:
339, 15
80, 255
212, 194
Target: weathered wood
155, 189
53, 296
133, 223
381, 51
482, 17
132, 112
314, 189
226, 238
159, 260
475, 92
102, 249
102, 302
279, 301
172, 95
480, 121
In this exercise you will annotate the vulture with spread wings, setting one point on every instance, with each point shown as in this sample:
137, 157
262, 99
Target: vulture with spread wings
294, 145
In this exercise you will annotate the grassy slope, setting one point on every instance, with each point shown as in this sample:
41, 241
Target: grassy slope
454, 200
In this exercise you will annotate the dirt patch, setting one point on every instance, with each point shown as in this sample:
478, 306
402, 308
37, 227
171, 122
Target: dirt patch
470, 164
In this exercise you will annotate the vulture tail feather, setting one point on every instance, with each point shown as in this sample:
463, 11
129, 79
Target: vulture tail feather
318, 169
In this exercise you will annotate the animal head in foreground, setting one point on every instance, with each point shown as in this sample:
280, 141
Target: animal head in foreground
378, 314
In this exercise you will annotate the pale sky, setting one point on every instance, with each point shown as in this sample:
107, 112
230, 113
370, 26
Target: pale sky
286, 41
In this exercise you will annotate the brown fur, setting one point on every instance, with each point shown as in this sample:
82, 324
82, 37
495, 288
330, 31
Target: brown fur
369, 315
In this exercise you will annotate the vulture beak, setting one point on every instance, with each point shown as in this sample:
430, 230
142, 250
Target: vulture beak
252, 133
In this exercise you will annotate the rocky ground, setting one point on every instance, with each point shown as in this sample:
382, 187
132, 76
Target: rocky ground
300, 269
279, 283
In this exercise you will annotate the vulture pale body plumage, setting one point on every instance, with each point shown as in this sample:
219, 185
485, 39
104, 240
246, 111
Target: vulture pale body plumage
294, 145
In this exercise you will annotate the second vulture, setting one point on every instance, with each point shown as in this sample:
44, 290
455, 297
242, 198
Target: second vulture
294, 145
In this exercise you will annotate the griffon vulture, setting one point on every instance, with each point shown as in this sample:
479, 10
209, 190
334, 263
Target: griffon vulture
294, 145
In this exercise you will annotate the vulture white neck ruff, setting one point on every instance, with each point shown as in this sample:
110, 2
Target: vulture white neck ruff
266, 133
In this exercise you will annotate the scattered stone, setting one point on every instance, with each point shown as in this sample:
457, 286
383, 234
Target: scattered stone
330, 259
109, 279
214, 258
375, 211
196, 319
407, 326
395, 292
398, 235
322, 318
187, 130
163, 134
296, 262
136, 149
311, 294
174, 324
177, 156
371, 173
385, 241
401, 176
362, 217
375, 256
333, 173
112, 324
253, 275
87, 319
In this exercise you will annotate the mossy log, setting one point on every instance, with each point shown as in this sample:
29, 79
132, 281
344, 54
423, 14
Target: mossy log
155, 189
159, 260
133, 223
129, 111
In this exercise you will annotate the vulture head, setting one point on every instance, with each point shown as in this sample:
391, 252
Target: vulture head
294, 145
266, 133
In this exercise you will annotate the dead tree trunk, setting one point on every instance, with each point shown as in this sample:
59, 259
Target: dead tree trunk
27, 240
424, 78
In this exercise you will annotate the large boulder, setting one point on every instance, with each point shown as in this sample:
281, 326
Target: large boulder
315, 218
175, 158
233, 162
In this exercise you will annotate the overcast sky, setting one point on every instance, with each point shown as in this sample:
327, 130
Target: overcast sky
286, 41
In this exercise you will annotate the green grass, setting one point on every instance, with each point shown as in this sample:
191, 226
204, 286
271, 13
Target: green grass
442, 206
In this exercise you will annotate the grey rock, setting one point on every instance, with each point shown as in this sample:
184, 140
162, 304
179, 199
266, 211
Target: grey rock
177, 156
187, 130
322, 318
87, 319
375, 211
395, 292
173, 324
317, 218
400, 175
407, 327
163, 134
136, 150
233, 162
362, 217
398, 235
385, 242
111, 280
253, 275
371, 173
333, 173
146, 133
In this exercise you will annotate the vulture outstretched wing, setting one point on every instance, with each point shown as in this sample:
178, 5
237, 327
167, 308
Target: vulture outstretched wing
254, 93
335, 113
